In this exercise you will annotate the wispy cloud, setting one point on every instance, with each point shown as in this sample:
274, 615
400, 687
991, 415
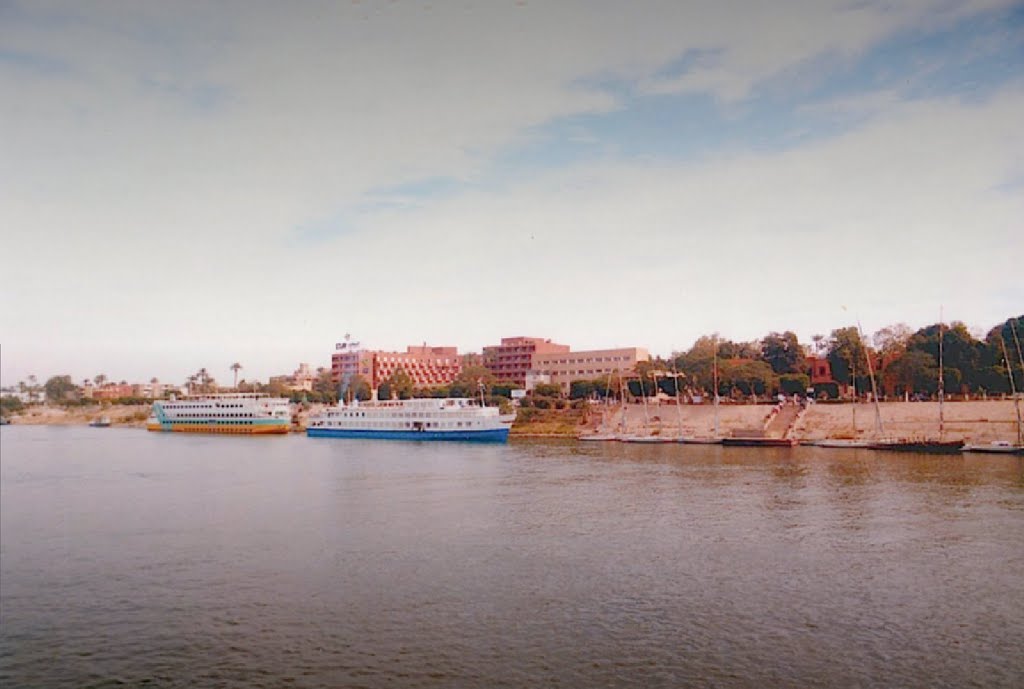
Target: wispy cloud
571, 169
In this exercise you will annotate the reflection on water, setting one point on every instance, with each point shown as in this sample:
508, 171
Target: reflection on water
134, 558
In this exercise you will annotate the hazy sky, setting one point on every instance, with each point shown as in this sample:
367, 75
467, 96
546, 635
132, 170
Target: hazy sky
184, 185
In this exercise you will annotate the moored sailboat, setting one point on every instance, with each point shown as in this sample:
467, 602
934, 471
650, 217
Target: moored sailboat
941, 446
1004, 447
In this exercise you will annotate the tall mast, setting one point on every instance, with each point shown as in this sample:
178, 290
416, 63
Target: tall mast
942, 388
643, 394
1013, 391
679, 412
622, 396
853, 380
874, 388
715, 378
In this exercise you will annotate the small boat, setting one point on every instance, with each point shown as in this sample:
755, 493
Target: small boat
931, 447
759, 442
650, 439
102, 422
840, 443
599, 437
996, 447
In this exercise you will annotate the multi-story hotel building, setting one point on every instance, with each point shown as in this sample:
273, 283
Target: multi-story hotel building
562, 368
427, 366
510, 360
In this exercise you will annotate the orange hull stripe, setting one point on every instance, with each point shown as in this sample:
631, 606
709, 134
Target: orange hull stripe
222, 430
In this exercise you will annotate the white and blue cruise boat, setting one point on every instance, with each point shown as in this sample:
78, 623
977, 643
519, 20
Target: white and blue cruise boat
418, 419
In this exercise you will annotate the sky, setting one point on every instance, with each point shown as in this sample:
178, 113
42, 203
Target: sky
188, 184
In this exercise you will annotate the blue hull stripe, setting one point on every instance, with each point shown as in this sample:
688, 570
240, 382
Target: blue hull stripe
495, 435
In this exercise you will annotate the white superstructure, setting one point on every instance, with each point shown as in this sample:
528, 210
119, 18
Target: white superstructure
416, 419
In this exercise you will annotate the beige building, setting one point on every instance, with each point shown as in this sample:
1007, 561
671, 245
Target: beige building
564, 367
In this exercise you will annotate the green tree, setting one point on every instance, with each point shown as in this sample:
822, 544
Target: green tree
996, 369
846, 353
236, 367
356, 388
401, 384
794, 383
914, 371
547, 390
59, 388
782, 352
962, 354
504, 389
469, 380
746, 376
10, 404
581, 389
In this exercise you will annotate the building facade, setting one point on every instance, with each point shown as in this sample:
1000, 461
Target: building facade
426, 366
565, 367
300, 381
514, 357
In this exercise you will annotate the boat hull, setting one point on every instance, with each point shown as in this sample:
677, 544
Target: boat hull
220, 429
995, 449
840, 444
923, 447
758, 442
490, 435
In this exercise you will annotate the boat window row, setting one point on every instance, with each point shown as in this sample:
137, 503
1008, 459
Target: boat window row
236, 415
410, 425
208, 421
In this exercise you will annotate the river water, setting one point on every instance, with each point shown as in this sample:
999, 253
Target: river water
139, 559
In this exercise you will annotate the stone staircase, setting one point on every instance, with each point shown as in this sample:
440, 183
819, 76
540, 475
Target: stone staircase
782, 422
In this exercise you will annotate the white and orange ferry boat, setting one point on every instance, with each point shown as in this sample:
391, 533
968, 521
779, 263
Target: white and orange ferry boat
243, 413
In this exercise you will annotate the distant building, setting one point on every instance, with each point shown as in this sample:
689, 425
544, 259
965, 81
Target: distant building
113, 391
562, 368
819, 370
300, 381
514, 357
426, 366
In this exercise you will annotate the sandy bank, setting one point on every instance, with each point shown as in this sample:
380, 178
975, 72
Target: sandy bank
120, 415
973, 421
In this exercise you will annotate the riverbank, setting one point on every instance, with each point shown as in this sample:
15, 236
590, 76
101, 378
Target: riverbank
973, 421
127, 415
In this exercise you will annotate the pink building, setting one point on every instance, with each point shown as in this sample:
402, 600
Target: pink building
427, 366
510, 360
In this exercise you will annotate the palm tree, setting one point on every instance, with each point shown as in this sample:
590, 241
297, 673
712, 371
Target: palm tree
236, 367
204, 379
32, 387
100, 380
